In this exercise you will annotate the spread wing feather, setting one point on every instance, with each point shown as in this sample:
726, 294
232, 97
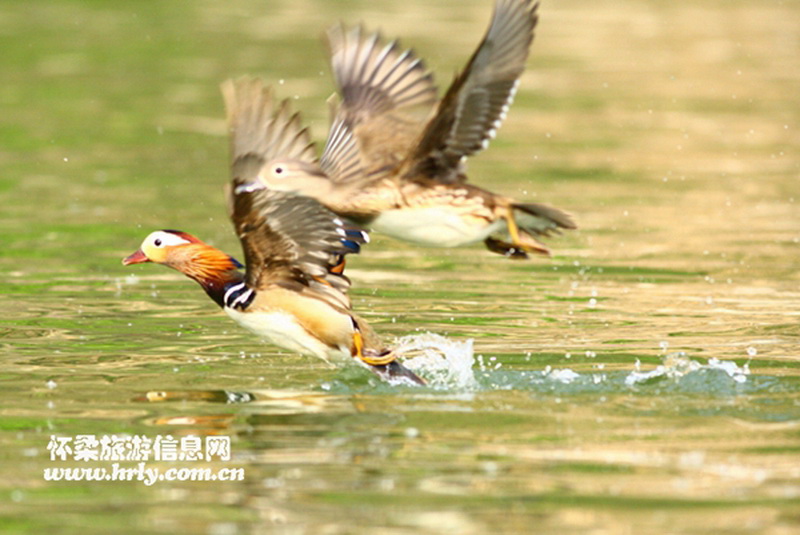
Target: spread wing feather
288, 239
292, 240
376, 82
477, 101
259, 126
341, 159
374, 78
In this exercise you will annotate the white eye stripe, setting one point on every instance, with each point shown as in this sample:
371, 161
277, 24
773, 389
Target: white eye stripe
160, 238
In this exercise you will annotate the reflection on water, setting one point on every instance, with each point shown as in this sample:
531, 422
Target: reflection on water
645, 380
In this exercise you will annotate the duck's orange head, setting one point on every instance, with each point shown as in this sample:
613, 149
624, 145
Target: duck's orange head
209, 266
158, 246
183, 252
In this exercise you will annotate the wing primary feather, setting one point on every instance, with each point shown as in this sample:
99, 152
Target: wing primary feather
260, 127
290, 239
478, 99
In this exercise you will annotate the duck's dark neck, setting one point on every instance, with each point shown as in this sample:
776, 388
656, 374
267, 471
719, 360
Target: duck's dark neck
214, 270
216, 287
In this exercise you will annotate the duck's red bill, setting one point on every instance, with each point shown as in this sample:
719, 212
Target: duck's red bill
136, 258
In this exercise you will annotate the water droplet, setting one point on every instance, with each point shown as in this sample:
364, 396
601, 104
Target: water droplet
490, 467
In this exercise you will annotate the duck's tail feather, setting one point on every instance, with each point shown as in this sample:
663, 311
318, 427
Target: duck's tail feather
542, 219
530, 220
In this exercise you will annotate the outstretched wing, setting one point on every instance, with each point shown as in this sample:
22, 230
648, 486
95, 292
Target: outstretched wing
476, 102
376, 78
375, 82
261, 128
291, 240
341, 160
287, 238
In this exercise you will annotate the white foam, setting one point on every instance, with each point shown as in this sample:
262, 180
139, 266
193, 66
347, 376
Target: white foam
677, 365
444, 362
562, 375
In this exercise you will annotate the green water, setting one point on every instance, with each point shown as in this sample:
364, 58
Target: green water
669, 130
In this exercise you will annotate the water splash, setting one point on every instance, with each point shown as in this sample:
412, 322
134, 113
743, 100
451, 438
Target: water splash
445, 363
450, 364
561, 375
678, 365
676, 373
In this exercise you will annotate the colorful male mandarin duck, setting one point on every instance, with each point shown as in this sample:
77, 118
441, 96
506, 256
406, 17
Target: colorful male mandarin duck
408, 177
293, 291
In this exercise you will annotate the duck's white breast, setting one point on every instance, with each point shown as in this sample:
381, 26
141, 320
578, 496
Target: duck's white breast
434, 226
282, 330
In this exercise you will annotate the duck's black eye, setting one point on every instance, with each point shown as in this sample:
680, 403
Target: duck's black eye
278, 170
157, 242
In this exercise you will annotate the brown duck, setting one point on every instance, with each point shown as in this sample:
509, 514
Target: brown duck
407, 177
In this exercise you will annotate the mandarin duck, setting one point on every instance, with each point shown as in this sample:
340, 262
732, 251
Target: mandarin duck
293, 291
408, 178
